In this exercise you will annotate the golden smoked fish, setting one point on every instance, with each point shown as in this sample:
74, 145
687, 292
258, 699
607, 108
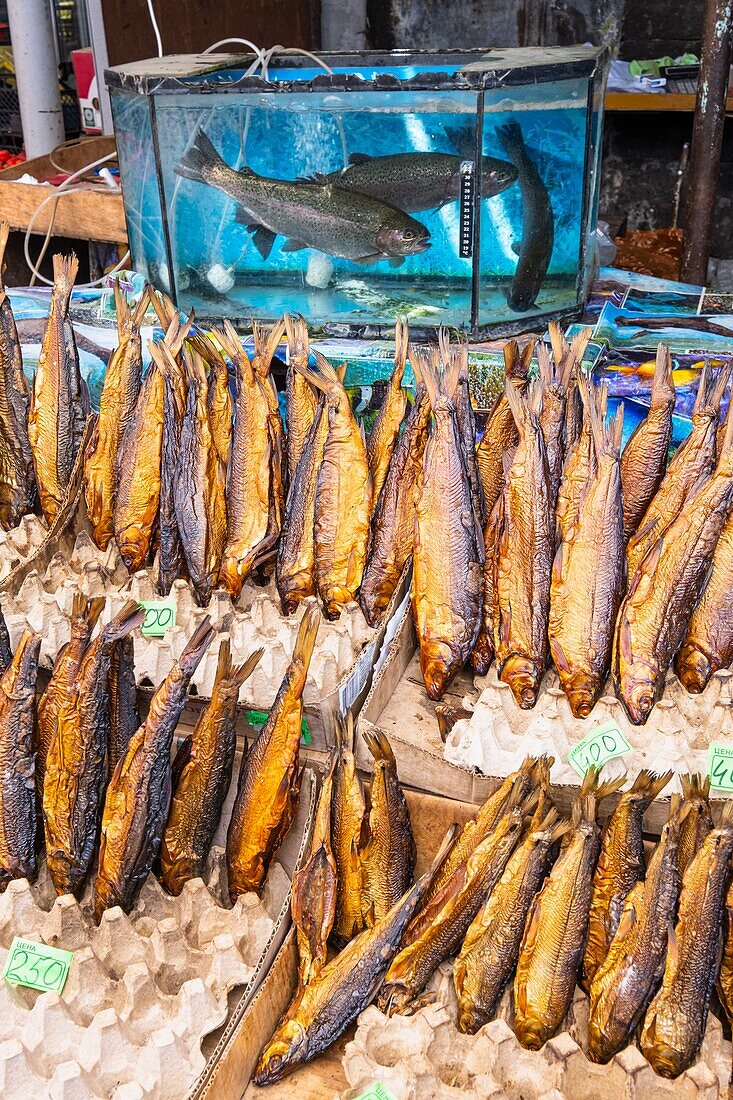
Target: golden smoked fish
491, 947
84, 617
17, 477
693, 460
199, 488
122, 381
269, 780
580, 463
203, 770
696, 821
674, 1024
343, 503
220, 406
554, 937
248, 494
322, 1010
301, 400
708, 643
654, 616
124, 717
524, 559
458, 355
629, 975
555, 378
387, 847
139, 458
588, 578
313, 900
644, 457
18, 810
60, 401
448, 560
500, 436
482, 653
620, 866
265, 345
444, 922
383, 436
393, 524
76, 764
347, 815
139, 791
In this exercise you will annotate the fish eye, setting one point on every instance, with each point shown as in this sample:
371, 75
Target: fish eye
276, 1061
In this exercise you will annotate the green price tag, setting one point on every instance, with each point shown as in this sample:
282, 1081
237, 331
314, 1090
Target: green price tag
257, 718
160, 616
720, 766
603, 743
376, 1092
36, 965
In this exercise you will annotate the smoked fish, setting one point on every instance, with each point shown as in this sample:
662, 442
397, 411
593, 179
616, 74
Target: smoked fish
347, 815
220, 406
60, 400
387, 846
122, 381
458, 354
124, 717
554, 936
6, 653
269, 781
644, 458
524, 560
301, 399
383, 436
448, 559
203, 776
248, 493
653, 619
482, 653
313, 897
500, 436
265, 346
18, 810
589, 577
555, 378
693, 460
84, 617
393, 524
76, 764
696, 821
445, 921
171, 559
620, 866
580, 463
343, 502
17, 476
629, 975
675, 1021
199, 488
491, 947
322, 1010
708, 643
139, 791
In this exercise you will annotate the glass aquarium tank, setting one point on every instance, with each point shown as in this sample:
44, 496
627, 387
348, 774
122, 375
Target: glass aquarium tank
454, 188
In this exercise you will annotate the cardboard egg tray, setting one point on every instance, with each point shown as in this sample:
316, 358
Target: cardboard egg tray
425, 1057
149, 996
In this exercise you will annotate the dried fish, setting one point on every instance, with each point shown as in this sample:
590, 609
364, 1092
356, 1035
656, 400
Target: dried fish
17, 476
18, 811
387, 847
500, 436
348, 809
383, 436
644, 457
313, 901
300, 397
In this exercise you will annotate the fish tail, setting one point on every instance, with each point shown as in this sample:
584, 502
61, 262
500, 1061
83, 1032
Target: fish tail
197, 646
662, 389
444, 850
177, 332
226, 671
401, 346
610, 786
122, 309
451, 379
240, 673
718, 388
417, 362
92, 609
65, 270
544, 361
165, 311
326, 378
379, 745
675, 805
525, 360
141, 306
701, 397
649, 783
266, 343
4, 232
201, 161
590, 782
695, 786
557, 340
578, 344
296, 329
727, 442
510, 136
345, 732
584, 809
616, 431
726, 816
129, 618
306, 639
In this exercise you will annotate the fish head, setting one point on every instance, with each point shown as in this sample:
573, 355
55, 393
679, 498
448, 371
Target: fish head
394, 997
497, 175
693, 668
133, 548
582, 693
288, 1047
438, 665
469, 1021
522, 297
405, 238
531, 1032
523, 677
637, 693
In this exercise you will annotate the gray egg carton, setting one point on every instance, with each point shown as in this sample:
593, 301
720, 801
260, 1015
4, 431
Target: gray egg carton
20, 544
425, 1057
498, 735
148, 995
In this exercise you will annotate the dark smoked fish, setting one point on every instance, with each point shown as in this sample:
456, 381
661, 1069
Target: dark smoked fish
18, 811
124, 717
383, 436
313, 901
17, 476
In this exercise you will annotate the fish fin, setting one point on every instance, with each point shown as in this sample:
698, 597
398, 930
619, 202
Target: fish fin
649, 783
417, 362
611, 786
180, 760
198, 161
431, 379
726, 815
197, 645
240, 673
557, 339
401, 345
93, 609
128, 619
590, 781
294, 246
662, 388
296, 329
306, 639
396, 261
516, 248
122, 309
727, 442
560, 829
525, 357
264, 239
444, 850
628, 916
533, 924
359, 158
511, 358
701, 397
141, 306
510, 136
266, 343
65, 270
718, 388
673, 949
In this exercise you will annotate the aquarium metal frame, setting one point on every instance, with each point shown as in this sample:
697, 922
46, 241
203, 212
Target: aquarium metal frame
187, 75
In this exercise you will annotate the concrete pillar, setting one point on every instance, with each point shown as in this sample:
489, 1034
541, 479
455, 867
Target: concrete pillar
34, 55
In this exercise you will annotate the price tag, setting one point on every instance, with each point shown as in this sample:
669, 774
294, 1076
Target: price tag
376, 1091
603, 743
720, 767
36, 965
257, 718
160, 616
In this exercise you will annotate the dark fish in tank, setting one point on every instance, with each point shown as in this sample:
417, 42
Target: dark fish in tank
538, 222
418, 181
309, 214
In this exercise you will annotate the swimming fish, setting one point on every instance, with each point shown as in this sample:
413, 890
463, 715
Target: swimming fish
18, 810
538, 222
317, 214
17, 476
383, 436
387, 846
